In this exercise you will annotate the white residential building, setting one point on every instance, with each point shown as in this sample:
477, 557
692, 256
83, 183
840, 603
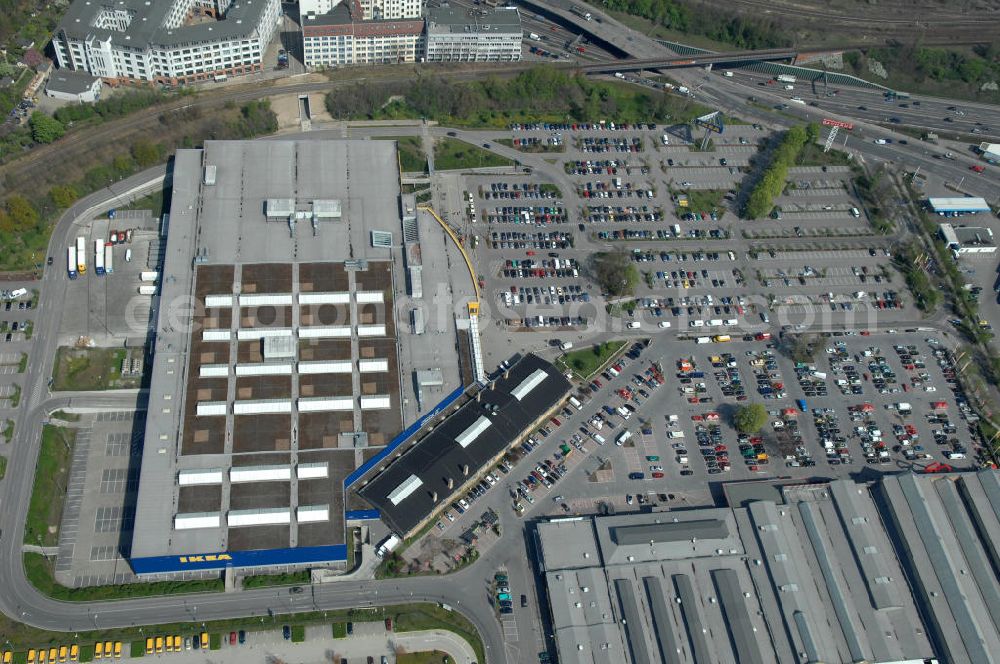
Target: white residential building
140, 40
341, 37
454, 36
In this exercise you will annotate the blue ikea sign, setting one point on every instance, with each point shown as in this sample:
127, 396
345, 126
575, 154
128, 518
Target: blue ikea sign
221, 560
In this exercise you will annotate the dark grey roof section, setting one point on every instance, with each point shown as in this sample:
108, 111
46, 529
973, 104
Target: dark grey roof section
636, 635
438, 458
669, 532
457, 20
741, 633
663, 625
860, 529
147, 24
70, 82
692, 619
832, 580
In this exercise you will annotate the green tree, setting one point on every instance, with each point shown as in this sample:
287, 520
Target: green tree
146, 153
750, 418
63, 195
45, 129
615, 272
23, 215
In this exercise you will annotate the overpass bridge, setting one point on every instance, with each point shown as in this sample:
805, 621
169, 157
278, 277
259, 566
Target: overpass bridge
602, 30
682, 61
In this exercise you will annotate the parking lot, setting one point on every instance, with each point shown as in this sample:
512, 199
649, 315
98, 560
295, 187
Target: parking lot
655, 426
650, 191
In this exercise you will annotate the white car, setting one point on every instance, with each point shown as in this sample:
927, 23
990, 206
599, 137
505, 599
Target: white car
663, 324
930, 388
880, 141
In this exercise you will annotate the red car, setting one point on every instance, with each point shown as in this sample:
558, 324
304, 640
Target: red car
232, 638
555, 421
657, 476
977, 168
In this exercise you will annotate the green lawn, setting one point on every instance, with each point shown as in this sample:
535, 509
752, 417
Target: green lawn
701, 200
91, 369
432, 657
813, 155
339, 630
158, 202
287, 579
39, 571
586, 361
298, 633
51, 472
451, 154
412, 158
431, 616
8, 430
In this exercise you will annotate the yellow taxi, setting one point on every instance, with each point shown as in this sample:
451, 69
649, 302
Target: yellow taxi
159, 644
118, 649
204, 640
74, 653
41, 656
31, 656
53, 654
63, 653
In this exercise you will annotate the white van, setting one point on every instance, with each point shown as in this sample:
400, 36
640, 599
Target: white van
566, 345
675, 434
624, 413
697, 323
663, 324
855, 212
683, 460
634, 325
622, 437
598, 438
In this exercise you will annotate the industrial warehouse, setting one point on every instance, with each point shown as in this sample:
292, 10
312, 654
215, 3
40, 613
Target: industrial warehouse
283, 379
899, 570
425, 476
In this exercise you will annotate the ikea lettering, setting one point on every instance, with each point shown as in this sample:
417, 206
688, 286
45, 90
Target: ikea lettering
208, 558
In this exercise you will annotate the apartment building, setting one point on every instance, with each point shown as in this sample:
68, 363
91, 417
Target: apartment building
344, 37
459, 35
165, 42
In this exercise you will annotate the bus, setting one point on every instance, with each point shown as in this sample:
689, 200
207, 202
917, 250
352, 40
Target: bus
98, 257
109, 256
71, 262
81, 255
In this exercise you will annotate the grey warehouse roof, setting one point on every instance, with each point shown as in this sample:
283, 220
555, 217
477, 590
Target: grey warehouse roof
148, 18
502, 20
645, 533
417, 483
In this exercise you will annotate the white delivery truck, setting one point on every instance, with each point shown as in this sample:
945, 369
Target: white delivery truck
576, 403
149, 277
622, 437
387, 545
566, 345
675, 434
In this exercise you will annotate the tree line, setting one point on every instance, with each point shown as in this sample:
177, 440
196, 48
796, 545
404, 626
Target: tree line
772, 180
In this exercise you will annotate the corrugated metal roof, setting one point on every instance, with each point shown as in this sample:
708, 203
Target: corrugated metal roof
325, 367
469, 436
325, 404
251, 333
528, 384
373, 366
213, 301
280, 207
266, 300
213, 370
371, 330
262, 406
312, 513
959, 204
324, 298
207, 408
376, 402
197, 520
404, 490
310, 471
216, 335
262, 369
327, 209
325, 332
369, 297
260, 474
260, 517
199, 476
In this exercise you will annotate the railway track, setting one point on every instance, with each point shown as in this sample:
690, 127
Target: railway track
26, 168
